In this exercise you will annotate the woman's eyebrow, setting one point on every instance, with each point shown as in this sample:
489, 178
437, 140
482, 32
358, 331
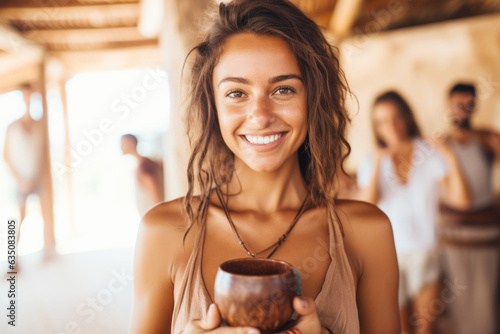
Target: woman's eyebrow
285, 77
279, 78
235, 79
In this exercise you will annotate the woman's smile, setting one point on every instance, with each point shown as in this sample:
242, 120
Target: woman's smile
261, 101
264, 142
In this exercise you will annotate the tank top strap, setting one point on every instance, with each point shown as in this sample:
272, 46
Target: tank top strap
191, 300
338, 287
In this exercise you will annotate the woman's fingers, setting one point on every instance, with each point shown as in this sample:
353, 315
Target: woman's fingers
305, 306
212, 319
308, 322
293, 330
236, 330
210, 323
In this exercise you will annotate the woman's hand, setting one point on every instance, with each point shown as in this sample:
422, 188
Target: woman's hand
308, 322
210, 324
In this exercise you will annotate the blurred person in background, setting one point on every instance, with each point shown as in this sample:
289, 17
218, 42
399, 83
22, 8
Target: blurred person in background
404, 177
23, 153
471, 236
148, 177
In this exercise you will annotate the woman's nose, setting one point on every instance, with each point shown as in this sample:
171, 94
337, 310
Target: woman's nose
261, 113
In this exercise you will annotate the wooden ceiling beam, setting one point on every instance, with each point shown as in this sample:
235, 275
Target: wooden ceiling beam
60, 3
109, 59
103, 51
344, 16
380, 15
316, 7
13, 43
101, 45
13, 77
13, 61
84, 36
92, 16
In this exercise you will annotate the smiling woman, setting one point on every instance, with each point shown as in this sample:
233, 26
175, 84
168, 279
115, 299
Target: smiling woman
266, 120
261, 107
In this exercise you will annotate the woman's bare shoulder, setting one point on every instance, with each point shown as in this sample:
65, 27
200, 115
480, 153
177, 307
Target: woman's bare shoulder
160, 255
367, 231
362, 215
162, 229
165, 216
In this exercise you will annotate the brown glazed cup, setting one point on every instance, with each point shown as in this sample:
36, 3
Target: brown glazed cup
256, 292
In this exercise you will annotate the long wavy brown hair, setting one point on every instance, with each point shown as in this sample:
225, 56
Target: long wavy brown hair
325, 148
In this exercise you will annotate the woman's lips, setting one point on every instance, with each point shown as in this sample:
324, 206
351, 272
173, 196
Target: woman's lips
262, 140
264, 143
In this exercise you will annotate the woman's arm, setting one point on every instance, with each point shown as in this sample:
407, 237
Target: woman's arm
369, 242
159, 244
454, 184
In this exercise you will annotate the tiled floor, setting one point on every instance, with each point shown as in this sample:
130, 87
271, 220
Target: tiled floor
86, 293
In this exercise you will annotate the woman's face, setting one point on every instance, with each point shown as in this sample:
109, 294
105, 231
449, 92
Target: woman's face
389, 124
261, 100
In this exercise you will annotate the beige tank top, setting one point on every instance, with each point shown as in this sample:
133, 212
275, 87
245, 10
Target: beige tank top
336, 302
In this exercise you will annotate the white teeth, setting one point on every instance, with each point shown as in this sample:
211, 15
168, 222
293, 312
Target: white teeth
263, 140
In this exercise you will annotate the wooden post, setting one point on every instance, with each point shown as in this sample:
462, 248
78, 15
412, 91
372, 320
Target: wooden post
67, 154
47, 197
180, 35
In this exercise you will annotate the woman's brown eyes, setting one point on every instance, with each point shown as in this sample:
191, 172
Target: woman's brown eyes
234, 94
285, 90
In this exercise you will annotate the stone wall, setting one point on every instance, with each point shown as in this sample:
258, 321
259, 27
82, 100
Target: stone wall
423, 63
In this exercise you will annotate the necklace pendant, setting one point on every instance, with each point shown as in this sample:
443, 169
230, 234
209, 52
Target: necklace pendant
280, 240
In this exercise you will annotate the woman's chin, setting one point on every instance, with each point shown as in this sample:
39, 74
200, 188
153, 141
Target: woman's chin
264, 167
266, 164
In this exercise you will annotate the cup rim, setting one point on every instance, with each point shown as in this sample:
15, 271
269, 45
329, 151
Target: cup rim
289, 269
